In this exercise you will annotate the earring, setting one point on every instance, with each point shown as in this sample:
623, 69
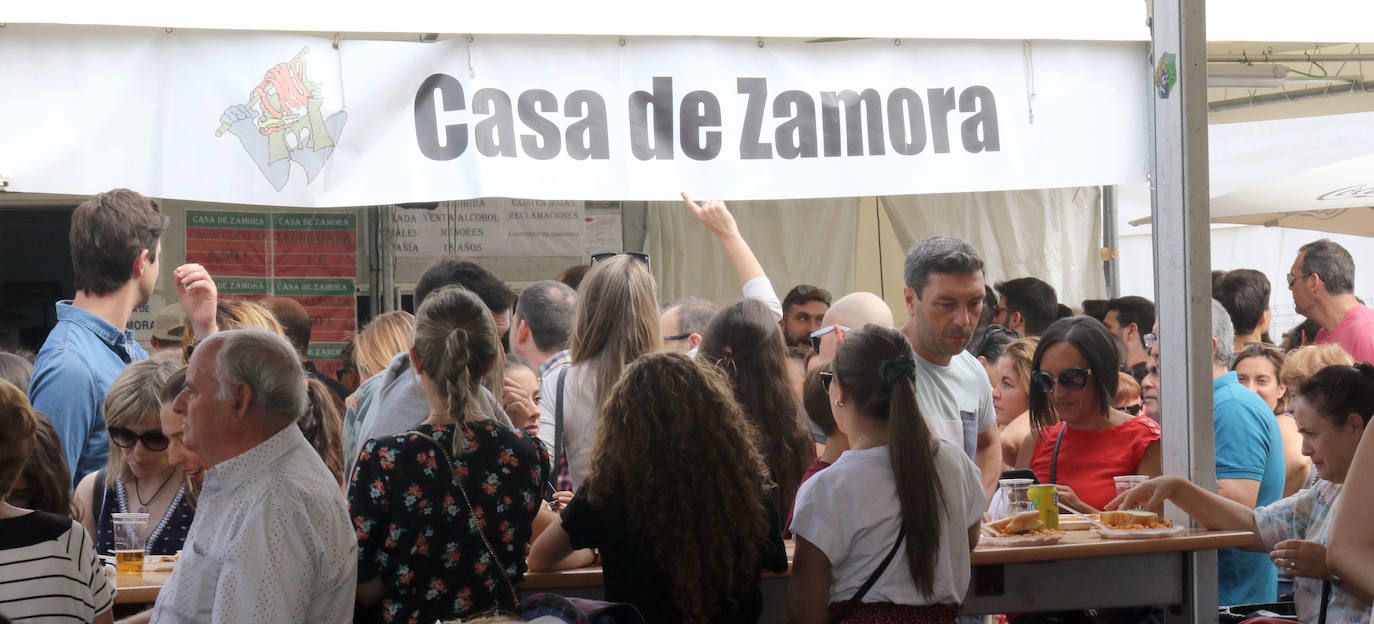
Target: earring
840, 403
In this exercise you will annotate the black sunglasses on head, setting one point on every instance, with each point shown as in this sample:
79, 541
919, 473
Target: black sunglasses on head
153, 439
1069, 379
987, 337
637, 255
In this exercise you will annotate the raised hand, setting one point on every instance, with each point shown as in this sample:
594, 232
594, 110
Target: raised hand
198, 295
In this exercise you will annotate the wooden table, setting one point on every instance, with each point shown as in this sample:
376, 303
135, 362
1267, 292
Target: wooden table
1083, 571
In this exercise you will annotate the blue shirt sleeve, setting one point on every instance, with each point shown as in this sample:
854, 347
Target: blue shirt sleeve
64, 389
1242, 442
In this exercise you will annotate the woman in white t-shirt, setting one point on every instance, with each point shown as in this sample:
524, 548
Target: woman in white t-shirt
898, 494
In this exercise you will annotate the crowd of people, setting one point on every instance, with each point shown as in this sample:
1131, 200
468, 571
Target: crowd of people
582, 421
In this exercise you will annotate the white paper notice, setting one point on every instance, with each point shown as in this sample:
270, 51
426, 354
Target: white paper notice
490, 227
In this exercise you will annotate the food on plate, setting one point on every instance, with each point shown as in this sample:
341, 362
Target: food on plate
1133, 519
1022, 524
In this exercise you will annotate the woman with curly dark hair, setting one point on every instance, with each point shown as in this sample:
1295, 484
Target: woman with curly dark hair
744, 340
676, 500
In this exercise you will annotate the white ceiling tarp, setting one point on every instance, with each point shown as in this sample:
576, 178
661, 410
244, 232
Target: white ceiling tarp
1275, 21
1333, 198
1079, 20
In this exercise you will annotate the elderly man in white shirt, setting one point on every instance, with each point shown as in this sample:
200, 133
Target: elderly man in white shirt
271, 540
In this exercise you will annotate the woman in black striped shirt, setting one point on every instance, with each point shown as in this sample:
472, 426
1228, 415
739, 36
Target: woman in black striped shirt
48, 568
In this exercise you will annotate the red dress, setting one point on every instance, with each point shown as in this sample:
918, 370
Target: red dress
1089, 459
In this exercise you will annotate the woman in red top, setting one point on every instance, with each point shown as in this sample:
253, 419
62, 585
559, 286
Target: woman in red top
1079, 442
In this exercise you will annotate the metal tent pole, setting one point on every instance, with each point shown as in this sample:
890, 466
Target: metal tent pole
1111, 243
1182, 269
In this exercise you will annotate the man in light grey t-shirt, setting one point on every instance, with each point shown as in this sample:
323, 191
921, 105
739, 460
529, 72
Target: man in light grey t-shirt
944, 298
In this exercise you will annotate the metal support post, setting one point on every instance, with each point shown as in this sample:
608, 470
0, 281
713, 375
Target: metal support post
1178, 56
1111, 243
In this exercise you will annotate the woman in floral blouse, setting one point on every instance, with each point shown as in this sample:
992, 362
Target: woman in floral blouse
1333, 409
443, 513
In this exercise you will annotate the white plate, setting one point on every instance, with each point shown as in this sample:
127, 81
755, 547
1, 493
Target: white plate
1074, 522
1029, 540
1141, 533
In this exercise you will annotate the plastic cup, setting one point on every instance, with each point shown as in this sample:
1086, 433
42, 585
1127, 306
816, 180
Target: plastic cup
128, 542
1128, 482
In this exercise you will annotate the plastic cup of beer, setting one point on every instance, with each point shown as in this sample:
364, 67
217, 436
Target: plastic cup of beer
1128, 482
128, 542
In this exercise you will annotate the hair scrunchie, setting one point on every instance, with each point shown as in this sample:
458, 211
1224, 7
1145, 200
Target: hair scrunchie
896, 368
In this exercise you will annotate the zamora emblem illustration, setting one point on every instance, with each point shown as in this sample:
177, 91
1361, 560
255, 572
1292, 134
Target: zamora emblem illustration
283, 122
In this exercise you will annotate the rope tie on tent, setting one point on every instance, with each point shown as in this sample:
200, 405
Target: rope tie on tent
1030, 80
472, 71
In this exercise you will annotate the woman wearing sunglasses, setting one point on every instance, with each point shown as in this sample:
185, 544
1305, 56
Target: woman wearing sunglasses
1078, 441
137, 477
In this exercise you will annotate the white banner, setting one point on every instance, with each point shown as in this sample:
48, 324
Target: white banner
489, 227
273, 119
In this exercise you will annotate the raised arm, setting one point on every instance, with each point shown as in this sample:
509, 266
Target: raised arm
752, 280
198, 295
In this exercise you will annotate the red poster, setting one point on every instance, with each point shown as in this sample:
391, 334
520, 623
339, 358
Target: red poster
228, 243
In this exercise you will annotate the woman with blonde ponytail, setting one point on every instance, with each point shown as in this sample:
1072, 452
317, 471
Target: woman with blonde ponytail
444, 512
884, 533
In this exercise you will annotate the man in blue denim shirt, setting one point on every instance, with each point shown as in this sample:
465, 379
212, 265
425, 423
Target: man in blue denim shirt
115, 242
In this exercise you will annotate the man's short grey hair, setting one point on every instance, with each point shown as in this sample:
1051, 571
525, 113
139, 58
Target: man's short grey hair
268, 364
693, 313
940, 254
548, 307
1331, 261
1224, 333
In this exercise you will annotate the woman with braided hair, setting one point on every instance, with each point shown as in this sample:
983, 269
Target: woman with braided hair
444, 512
899, 496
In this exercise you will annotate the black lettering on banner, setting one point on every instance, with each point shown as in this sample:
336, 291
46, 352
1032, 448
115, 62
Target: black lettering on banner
941, 103
795, 137
659, 107
869, 103
986, 117
906, 122
495, 135
587, 138
546, 142
749, 146
427, 118
700, 110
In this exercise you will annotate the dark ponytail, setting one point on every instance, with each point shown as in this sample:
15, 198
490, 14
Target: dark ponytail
875, 367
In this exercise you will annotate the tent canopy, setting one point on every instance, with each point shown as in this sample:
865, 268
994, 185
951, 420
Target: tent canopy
1336, 198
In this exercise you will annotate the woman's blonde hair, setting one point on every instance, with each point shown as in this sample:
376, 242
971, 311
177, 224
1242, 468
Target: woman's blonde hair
1022, 353
617, 320
1306, 361
668, 411
234, 314
134, 401
381, 340
456, 345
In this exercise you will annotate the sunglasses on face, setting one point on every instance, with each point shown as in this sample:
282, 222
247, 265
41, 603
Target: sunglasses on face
816, 335
826, 378
1292, 279
640, 256
153, 439
1150, 341
1069, 379
1132, 409
676, 337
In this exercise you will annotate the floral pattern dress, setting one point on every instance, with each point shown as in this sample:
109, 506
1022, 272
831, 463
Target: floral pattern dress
416, 533
1306, 515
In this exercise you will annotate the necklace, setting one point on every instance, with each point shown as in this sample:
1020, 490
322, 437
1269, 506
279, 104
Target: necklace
143, 505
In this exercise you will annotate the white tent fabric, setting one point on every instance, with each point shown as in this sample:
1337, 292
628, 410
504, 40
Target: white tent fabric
1336, 198
1063, 223
1080, 20
808, 241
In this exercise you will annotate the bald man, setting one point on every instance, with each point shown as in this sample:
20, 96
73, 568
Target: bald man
849, 313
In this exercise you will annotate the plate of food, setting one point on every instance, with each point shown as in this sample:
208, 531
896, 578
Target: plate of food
158, 563
1020, 529
1135, 524
1076, 522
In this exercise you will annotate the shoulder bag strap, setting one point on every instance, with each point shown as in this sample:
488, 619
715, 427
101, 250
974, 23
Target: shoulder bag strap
558, 450
98, 496
1326, 600
1054, 459
872, 579
453, 470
